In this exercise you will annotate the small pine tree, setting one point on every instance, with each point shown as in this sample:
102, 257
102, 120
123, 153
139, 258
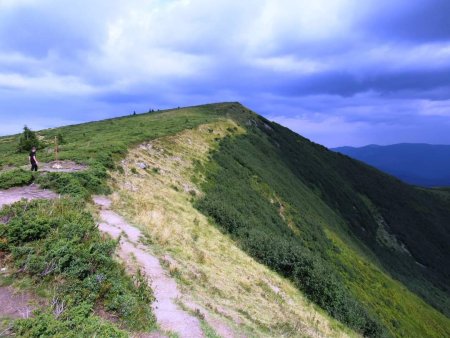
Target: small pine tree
27, 140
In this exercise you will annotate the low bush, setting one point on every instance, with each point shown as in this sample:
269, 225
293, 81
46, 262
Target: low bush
75, 322
57, 243
15, 178
79, 184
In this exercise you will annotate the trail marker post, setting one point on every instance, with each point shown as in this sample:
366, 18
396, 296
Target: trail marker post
56, 148
56, 165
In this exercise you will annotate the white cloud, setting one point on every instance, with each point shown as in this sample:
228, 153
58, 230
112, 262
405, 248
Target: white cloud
290, 64
434, 108
45, 84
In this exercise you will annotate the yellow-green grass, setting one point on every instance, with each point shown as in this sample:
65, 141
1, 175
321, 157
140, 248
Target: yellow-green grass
208, 265
402, 312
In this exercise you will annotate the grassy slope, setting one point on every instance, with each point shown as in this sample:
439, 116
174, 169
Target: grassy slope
344, 186
310, 180
208, 265
98, 144
382, 212
107, 139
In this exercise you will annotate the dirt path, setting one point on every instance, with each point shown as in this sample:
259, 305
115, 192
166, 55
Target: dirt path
30, 192
15, 304
169, 316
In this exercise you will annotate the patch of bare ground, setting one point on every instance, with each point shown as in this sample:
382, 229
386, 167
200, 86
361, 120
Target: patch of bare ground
15, 304
30, 192
54, 166
62, 166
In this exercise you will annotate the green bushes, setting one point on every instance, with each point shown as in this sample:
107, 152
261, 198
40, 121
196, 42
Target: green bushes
15, 178
58, 244
237, 191
76, 321
361, 194
79, 184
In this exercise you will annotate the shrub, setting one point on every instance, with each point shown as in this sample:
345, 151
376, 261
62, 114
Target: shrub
27, 140
15, 178
60, 139
79, 184
77, 321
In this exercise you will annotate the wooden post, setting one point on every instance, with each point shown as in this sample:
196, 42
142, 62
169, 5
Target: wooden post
56, 148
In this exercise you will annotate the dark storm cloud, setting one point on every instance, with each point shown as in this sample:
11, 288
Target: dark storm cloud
411, 21
414, 83
355, 71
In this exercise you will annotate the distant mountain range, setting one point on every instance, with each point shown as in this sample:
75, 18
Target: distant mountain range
415, 163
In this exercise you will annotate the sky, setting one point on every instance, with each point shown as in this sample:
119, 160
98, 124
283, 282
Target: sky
339, 72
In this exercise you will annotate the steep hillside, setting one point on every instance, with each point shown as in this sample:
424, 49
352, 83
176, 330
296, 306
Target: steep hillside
277, 181
156, 190
420, 164
254, 222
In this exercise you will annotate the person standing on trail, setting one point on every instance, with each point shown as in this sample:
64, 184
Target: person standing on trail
33, 160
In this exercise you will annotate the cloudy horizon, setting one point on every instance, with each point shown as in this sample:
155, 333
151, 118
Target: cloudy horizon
340, 72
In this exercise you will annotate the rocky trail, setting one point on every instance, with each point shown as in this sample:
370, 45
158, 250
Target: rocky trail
170, 316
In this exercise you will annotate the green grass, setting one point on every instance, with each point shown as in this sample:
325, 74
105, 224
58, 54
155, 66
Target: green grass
98, 144
244, 207
402, 312
108, 140
208, 331
370, 250
264, 303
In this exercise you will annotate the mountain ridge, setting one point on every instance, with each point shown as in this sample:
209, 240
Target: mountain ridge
415, 163
328, 224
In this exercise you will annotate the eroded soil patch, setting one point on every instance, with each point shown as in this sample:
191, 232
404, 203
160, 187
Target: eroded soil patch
30, 192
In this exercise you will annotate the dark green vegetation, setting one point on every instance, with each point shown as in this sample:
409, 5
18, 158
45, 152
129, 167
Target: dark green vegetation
15, 178
60, 248
276, 194
370, 250
420, 164
245, 191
